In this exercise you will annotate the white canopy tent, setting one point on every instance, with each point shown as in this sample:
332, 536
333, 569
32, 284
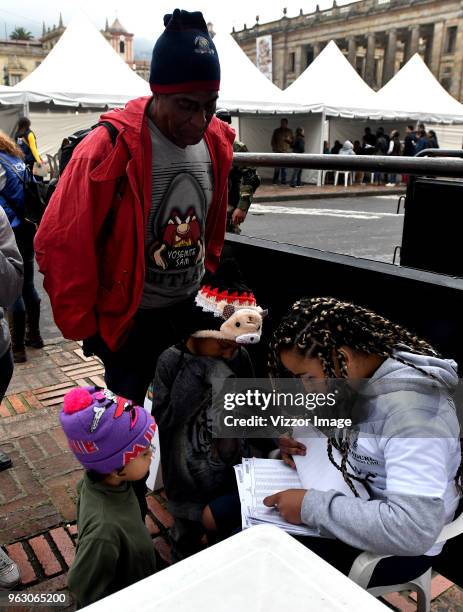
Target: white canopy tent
83, 69
257, 105
13, 105
332, 86
243, 87
414, 93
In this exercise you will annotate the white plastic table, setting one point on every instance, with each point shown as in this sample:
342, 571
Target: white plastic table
261, 569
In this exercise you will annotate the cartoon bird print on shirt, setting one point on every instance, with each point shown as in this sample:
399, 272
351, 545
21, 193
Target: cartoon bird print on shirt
180, 233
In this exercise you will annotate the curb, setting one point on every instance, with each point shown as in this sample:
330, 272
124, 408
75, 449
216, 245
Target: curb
324, 196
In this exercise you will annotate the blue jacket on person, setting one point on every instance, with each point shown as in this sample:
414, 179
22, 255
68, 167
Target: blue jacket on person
12, 192
423, 143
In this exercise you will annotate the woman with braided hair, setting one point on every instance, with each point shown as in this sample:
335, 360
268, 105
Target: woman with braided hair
405, 447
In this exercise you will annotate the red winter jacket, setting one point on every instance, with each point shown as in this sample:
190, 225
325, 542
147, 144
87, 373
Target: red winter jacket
94, 275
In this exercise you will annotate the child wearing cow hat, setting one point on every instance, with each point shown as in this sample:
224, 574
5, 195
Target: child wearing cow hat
111, 438
197, 468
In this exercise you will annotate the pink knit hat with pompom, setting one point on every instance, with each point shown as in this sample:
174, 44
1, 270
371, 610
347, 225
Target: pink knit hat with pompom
104, 431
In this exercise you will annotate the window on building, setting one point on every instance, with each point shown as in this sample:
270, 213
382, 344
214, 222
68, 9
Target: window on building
14, 79
446, 77
450, 39
360, 65
121, 46
446, 82
291, 62
309, 56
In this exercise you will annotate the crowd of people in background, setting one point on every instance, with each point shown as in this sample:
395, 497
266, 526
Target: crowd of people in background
380, 143
414, 140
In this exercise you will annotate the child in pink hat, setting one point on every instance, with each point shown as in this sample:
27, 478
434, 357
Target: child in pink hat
111, 438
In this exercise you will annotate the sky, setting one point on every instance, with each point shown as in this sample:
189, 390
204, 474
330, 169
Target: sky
144, 17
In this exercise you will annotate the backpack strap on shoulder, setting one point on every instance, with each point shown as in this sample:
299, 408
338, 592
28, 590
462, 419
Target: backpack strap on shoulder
112, 130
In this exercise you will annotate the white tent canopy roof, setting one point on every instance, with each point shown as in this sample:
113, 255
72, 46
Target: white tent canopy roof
415, 93
84, 69
8, 95
243, 87
331, 84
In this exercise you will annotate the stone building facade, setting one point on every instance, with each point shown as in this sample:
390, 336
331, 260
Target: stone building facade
377, 37
18, 58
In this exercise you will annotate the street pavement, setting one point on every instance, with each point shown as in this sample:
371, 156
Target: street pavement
365, 227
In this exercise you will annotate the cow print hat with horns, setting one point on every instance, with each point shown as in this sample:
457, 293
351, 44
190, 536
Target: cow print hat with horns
226, 309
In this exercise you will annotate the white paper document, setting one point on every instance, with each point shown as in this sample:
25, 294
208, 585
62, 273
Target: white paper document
315, 469
258, 478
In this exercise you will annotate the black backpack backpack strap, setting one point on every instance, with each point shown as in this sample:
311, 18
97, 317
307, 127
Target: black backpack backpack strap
67, 149
113, 131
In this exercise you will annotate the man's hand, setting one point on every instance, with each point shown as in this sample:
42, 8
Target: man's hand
289, 447
238, 216
288, 503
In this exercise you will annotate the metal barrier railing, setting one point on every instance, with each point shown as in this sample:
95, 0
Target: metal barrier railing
450, 165
440, 153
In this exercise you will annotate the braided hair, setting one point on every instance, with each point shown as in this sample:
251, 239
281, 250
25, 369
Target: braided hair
318, 327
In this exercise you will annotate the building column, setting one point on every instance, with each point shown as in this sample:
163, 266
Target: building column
413, 42
370, 60
457, 81
298, 60
316, 49
284, 65
389, 60
437, 46
352, 53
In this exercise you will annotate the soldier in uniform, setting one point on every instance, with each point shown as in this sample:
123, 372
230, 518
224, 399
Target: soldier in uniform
242, 183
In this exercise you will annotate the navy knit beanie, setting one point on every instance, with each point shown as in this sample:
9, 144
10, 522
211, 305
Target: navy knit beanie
184, 56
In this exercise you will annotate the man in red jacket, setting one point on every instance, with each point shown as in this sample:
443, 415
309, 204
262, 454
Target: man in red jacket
131, 228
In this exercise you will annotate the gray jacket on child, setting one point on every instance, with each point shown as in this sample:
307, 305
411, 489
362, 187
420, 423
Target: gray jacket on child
408, 449
11, 277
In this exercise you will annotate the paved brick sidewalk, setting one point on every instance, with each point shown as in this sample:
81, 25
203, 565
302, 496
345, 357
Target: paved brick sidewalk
37, 495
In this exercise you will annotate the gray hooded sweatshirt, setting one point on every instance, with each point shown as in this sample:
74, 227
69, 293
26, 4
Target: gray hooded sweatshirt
11, 277
408, 446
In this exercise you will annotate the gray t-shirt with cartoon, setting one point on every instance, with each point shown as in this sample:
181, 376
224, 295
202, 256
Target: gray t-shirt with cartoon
182, 185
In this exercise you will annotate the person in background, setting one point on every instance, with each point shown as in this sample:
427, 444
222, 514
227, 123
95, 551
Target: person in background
242, 184
369, 138
298, 147
282, 141
27, 142
358, 150
12, 169
326, 147
382, 146
422, 142
409, 141
395, 149
432, 137
336, 147
11, 278
347, 148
